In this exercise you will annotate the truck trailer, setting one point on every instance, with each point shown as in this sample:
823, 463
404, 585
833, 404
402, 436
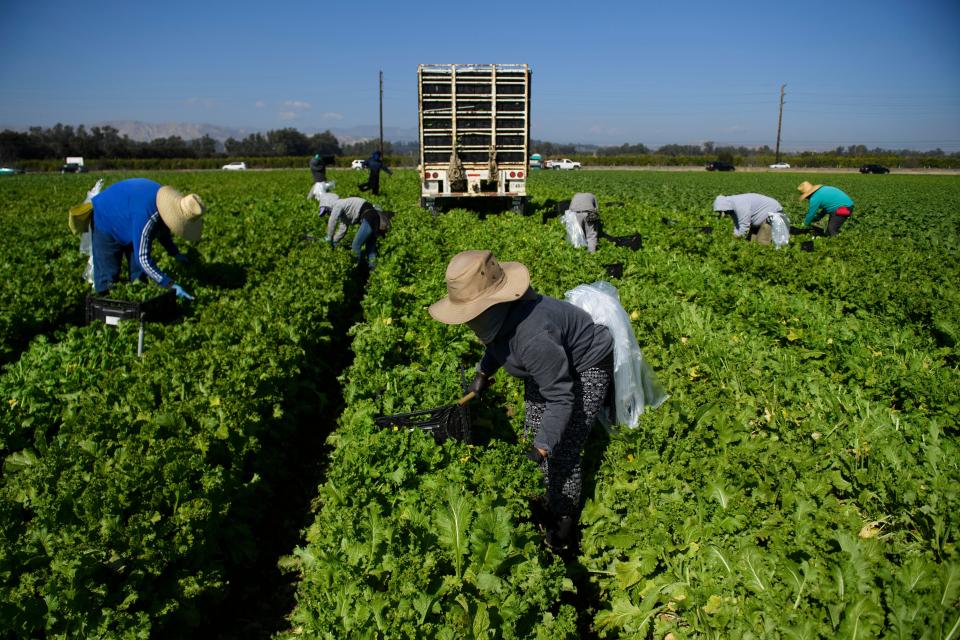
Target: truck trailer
474, 134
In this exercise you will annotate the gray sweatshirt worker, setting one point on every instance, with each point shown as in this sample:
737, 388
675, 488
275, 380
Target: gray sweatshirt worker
588, 216
566, 363
546, 342
750, 212
351, 209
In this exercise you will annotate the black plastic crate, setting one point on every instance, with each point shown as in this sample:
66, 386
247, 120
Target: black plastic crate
450, 421
633, 242
162, 308
614, 270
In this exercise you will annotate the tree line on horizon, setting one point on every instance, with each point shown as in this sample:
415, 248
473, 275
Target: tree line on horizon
708, 148
59, 141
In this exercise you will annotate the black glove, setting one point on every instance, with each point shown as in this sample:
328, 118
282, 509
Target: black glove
534, 455
480, 383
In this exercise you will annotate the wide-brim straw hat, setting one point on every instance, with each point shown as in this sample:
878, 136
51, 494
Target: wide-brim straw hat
476, 282
183, 214
806, 189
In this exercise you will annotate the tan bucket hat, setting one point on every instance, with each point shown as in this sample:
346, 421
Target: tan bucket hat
806, 189
476, 282
182, 213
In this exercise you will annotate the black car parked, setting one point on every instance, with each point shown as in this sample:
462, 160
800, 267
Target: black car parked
720, 166
72, 167
874, 168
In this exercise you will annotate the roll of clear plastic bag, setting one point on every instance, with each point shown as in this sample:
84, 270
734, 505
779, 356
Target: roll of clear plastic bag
636, 387
780, 228
86, 240
320, 188
575, 234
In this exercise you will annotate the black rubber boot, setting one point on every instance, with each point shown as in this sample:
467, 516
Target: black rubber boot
560, 535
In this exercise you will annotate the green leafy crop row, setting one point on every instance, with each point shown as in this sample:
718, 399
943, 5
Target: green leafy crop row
801, 482
130, 484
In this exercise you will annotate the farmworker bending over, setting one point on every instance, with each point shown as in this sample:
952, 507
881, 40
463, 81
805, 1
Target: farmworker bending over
588, 216
826, 200
373, 224
127, 217
374, 164
750, 213
564, 359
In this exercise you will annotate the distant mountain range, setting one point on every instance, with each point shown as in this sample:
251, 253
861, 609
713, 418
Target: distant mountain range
147, 131
140, 131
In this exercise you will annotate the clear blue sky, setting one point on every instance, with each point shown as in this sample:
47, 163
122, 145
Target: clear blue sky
880, 72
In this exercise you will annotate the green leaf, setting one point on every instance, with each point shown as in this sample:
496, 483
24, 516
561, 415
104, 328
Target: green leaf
452, 523
626, 616
491, 538
19, 461
481, 623
754, 570
636, 569
951, 584
863, 619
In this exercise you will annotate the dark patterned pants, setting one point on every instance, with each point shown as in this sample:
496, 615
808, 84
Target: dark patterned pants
563, 470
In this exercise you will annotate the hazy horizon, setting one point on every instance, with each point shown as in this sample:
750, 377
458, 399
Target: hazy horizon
881, 74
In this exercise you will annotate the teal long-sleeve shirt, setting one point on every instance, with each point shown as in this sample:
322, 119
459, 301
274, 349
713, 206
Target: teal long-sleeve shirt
829, 199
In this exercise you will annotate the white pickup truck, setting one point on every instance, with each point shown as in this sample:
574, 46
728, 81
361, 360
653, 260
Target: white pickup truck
565, 164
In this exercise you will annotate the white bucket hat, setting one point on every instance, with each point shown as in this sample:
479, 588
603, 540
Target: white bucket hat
183, 214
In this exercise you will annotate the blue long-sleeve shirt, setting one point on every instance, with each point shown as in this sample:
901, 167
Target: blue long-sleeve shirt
127, 211
375, 164
829, 199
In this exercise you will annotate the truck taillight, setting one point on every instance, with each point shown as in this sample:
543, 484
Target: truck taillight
513, 174
519, 174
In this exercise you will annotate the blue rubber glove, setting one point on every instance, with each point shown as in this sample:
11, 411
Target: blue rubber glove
181, 293
330, 240
181, 258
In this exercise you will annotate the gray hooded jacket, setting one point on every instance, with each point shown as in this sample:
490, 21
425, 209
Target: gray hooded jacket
349, 208
586, 202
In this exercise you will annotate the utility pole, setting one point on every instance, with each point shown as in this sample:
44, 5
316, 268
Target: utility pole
780, 122
381, 113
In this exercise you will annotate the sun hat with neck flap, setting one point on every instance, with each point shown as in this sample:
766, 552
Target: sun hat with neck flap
806, 189
183, 214
476, 282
